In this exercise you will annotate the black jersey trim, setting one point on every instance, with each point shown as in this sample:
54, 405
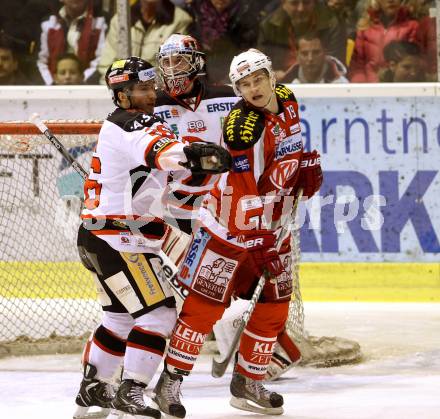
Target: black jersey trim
243, 126
132, 120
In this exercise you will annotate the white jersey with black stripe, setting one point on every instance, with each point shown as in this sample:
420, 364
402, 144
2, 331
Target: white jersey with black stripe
128, 175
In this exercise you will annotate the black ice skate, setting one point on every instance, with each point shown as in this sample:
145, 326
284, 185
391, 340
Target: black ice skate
93, 392
167, 394
250, 395
130, 399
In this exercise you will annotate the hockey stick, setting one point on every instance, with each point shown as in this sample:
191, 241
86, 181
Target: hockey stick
35, 119
219, 367
168, 267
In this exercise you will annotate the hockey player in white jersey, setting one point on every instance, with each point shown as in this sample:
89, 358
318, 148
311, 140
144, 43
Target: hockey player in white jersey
121, 234
195, 109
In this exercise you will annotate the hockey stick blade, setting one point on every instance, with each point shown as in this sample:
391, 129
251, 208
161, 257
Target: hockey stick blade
219, 367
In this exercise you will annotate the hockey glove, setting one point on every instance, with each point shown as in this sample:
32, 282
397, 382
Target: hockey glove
260, 245
206, 158
310, 174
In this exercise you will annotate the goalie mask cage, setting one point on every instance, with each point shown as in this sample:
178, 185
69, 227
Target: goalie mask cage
47, 298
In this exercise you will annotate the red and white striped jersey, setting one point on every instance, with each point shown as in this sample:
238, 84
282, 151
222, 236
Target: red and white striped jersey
266, 151
127, 178
198, 118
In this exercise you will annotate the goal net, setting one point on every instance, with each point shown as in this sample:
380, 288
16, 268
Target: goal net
47, 298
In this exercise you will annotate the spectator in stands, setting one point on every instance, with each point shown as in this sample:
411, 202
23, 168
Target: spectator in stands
313, 65
405, 63
10, 73
152, 21
68, 70
426, 34
21, 20
294, 18
383, 21
224, 28
75, 29
346, 13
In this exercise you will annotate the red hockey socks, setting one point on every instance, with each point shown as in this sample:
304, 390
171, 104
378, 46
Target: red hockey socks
195, 322
259, 338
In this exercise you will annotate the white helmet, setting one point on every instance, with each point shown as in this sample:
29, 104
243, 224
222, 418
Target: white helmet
186, 48
249, 62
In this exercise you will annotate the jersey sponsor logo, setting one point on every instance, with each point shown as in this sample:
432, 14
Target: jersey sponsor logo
214, 275
196, 126
220, 107
283, 92
311, 162
253, 243
289, 146
161, 143
175, 129
168, 113
124, 239
295, 128
192, 258
241, 164
283, 172
247, 127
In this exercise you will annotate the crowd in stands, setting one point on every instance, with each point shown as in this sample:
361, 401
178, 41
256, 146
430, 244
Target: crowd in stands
56, 42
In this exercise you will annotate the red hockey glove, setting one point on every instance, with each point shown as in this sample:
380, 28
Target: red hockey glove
260, 245
310, 174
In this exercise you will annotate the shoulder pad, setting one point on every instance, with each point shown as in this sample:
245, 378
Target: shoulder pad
243, 127
132, 120
284, 93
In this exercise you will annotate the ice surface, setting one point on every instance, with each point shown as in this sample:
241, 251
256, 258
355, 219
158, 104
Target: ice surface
400, 378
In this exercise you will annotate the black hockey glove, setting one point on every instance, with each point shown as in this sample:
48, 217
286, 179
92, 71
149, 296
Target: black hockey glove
207, 158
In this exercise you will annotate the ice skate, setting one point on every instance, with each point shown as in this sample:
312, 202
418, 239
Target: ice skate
252, 396
93, 392
167, 394
129, 400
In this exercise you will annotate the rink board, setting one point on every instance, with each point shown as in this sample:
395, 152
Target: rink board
319, 281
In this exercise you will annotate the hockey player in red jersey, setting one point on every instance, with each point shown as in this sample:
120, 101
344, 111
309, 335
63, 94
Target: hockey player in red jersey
195, 109
237, 240
121, 234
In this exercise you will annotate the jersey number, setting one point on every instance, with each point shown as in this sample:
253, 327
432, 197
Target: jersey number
93, 203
